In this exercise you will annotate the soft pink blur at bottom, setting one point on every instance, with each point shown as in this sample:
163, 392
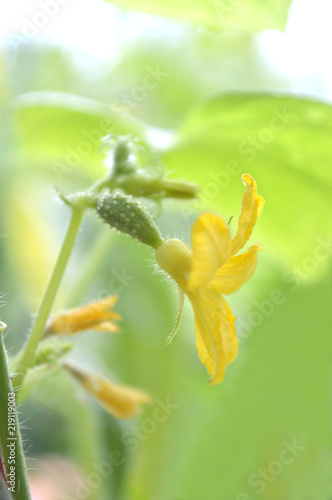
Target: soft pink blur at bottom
53, 477
42, 489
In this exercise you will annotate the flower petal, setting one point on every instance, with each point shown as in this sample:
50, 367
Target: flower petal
106, 326
252, 205
236, 271
119, 400
231, 339
92, 316
105, 303
210, 247
204, 352
216, 341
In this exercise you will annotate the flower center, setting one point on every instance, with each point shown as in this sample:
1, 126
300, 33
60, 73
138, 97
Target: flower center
175, 258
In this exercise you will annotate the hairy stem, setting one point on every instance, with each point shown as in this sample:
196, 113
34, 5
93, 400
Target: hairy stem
10, 435
27, 356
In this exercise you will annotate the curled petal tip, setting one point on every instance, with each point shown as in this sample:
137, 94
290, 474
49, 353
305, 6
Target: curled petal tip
247, 179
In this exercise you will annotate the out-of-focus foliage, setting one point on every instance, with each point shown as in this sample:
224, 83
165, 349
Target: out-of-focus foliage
216, 440
283, 142
75, 128
217, 14
31, 267
276, 393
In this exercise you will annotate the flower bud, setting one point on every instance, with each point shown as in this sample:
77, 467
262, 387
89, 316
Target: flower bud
50, 353
141, 184
128, 216
119, 400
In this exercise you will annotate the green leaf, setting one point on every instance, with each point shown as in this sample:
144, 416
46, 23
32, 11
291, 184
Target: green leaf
62, 132
277, 391
252, 15
275, 394
285, 144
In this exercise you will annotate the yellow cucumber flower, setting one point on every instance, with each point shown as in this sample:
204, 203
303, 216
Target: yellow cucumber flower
93, 316
119, 400
211, 269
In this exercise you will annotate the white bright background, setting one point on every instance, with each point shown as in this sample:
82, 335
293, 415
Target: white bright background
302, 54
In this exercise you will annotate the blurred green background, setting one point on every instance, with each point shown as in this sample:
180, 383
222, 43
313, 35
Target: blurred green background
216, 89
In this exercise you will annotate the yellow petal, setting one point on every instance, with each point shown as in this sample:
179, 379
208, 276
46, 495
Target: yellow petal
96, 311
93, 316
216, 341
252, 205
110, 315
106, 326
236, 271
119, 400
105, 304
210, 247
231, 339
203, 351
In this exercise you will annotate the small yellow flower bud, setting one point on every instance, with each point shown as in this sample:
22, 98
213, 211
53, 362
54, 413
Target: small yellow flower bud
93, 316
140, 184
119, 400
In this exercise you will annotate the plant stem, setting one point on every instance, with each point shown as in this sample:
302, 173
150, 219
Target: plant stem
26, 358
10, 435
92, 262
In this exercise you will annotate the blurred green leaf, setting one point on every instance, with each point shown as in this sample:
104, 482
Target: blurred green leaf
284, 143
252, 15
275, 392
62, 133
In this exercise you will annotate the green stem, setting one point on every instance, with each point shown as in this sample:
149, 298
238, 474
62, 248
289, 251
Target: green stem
10, 435
26, 358
91, 264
